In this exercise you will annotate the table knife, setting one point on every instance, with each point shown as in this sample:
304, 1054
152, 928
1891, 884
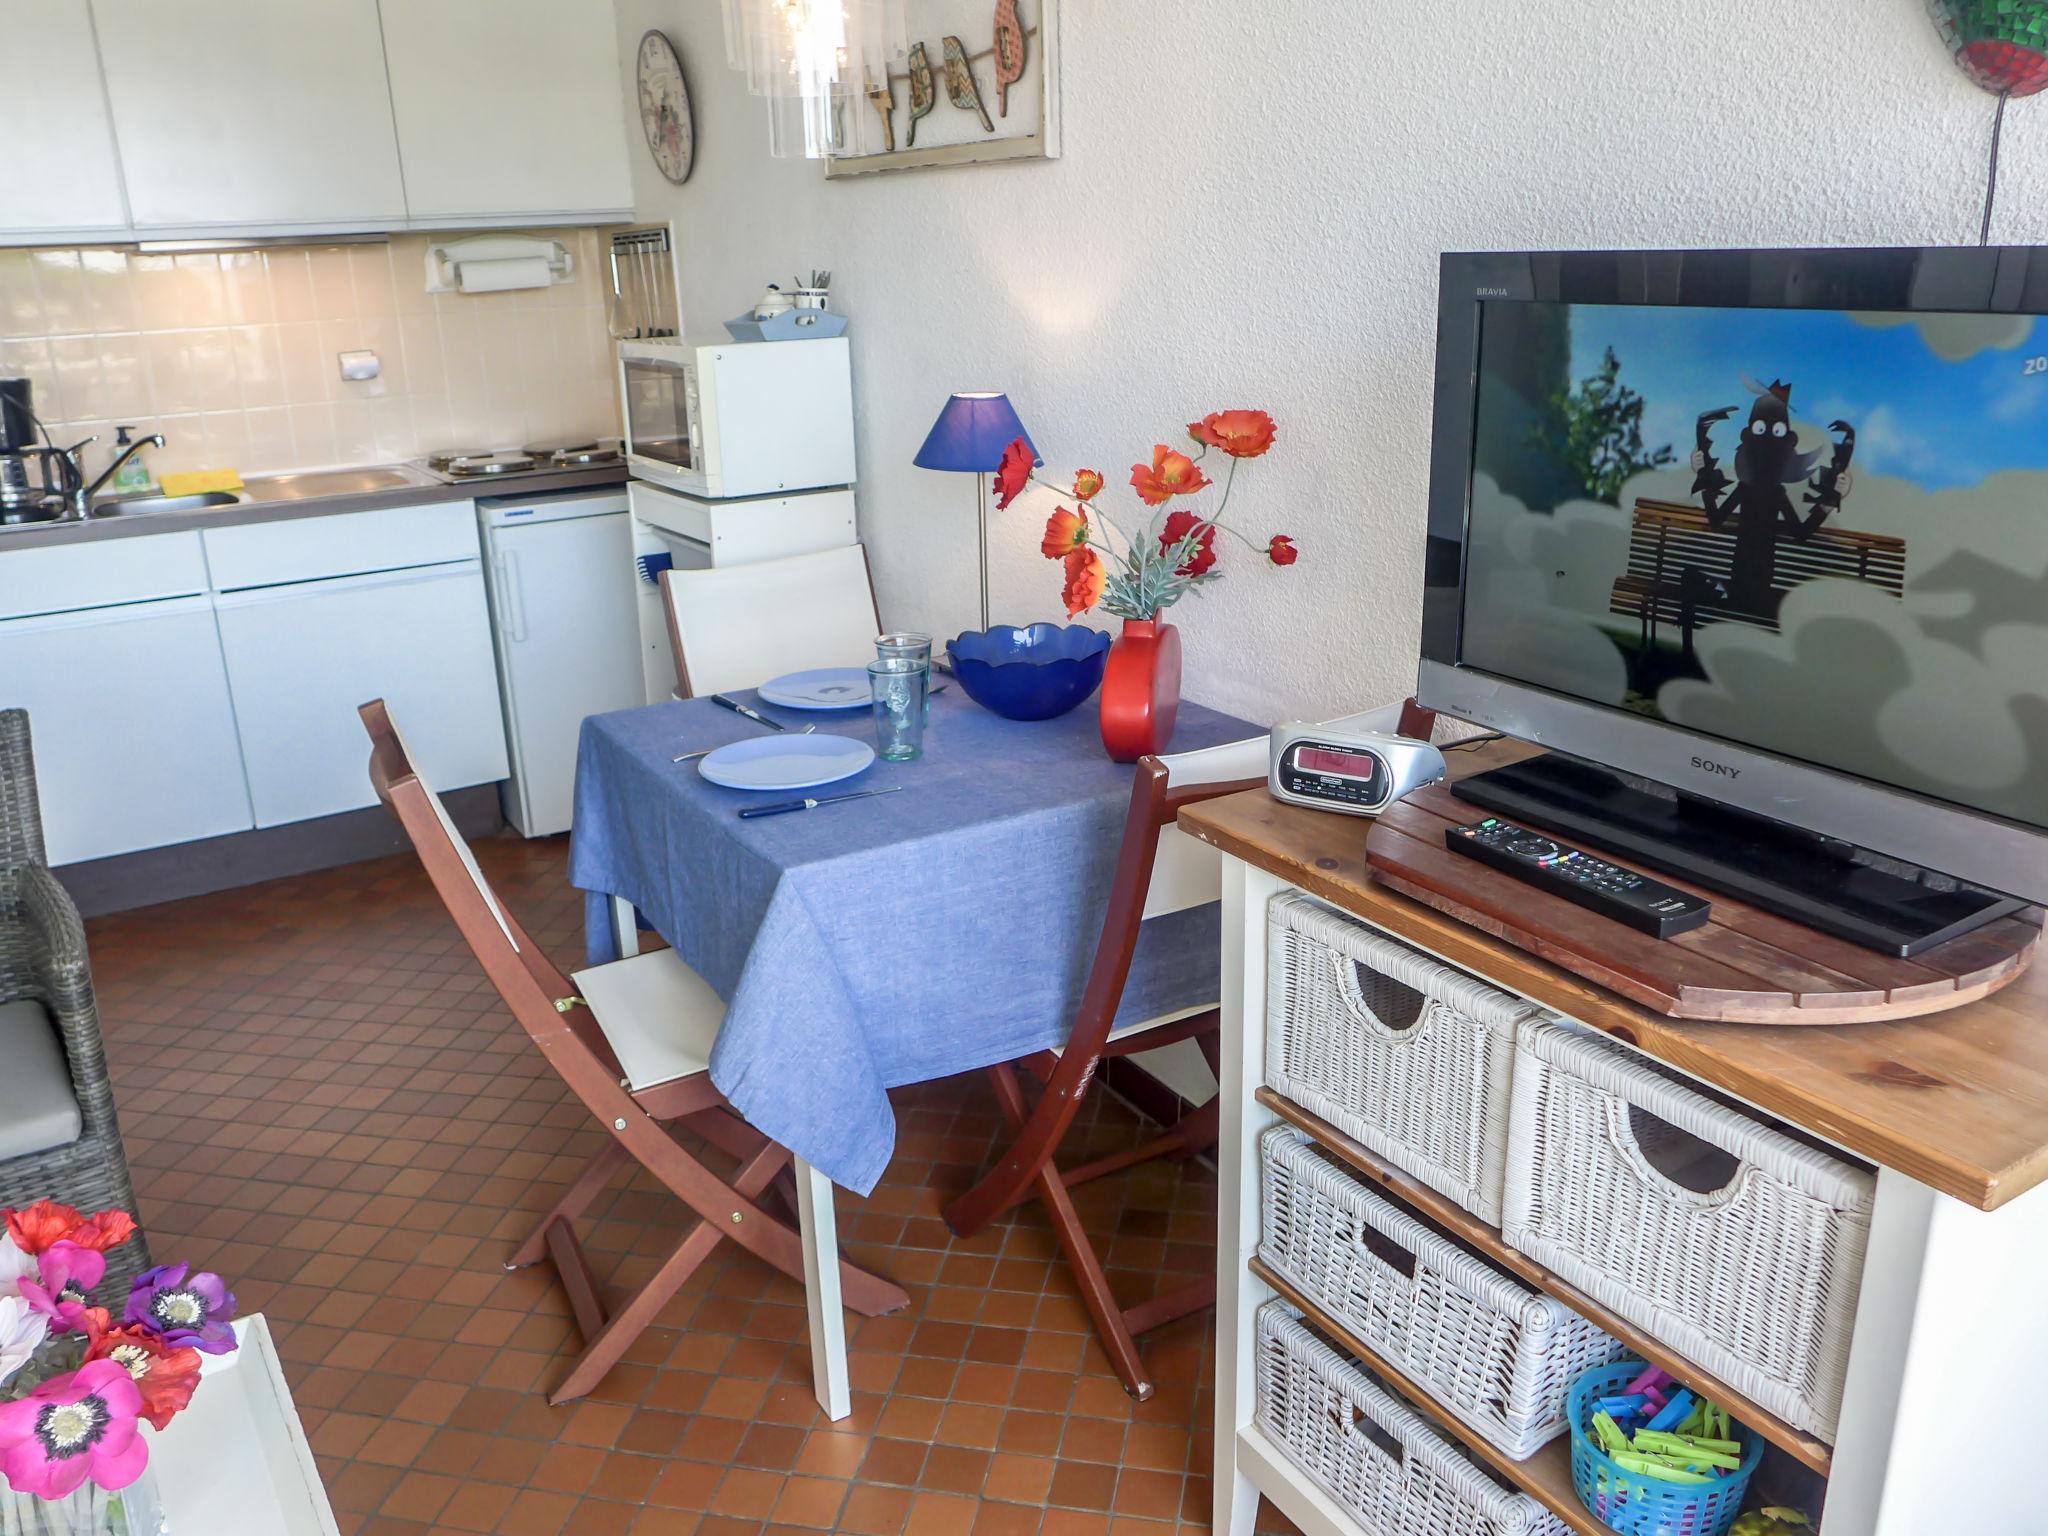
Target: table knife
780, 806
752, 714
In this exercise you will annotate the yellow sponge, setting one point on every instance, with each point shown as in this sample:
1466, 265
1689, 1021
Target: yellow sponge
192, 482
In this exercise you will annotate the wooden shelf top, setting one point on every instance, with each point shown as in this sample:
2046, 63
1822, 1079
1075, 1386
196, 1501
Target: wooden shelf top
1454, 1218
1956, 1100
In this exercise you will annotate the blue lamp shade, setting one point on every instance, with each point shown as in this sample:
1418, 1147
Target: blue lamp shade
971, 434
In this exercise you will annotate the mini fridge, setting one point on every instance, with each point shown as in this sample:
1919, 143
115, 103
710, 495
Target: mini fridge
565, 623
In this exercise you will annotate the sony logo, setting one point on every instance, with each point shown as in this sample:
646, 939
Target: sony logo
1708, 765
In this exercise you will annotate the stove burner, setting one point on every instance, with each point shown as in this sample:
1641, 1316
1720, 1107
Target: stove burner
596, 456
578, 453
470, 466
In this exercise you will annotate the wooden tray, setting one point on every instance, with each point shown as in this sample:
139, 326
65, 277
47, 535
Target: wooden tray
1745, 966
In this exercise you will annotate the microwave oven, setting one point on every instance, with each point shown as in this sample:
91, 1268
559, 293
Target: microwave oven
738, 418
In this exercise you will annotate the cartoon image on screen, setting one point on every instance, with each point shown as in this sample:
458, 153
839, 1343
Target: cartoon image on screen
1823, 533
1766, 462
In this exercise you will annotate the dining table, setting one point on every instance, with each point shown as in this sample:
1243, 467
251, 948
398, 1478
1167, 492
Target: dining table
863, 945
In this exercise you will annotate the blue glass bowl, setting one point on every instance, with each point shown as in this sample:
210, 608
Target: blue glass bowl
1037, 673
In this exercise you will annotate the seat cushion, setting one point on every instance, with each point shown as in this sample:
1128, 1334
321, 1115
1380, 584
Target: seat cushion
660, 1016
38, 1110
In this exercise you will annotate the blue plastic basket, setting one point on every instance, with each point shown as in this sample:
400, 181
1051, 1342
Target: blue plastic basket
1641, 1506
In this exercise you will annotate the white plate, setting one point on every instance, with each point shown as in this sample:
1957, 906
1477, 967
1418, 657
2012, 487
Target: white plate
786, 762
822, 688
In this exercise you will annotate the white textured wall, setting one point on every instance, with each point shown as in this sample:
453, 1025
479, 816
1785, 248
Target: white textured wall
1249, 212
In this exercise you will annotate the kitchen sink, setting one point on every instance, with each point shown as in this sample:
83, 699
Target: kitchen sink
136, 506
334, 482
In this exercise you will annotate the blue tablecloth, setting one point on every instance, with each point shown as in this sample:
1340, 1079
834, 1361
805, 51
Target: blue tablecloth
884, 941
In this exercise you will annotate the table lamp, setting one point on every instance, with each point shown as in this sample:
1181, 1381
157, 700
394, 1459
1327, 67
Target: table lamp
970, 436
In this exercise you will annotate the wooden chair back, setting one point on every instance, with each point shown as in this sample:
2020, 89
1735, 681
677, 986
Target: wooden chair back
1185, 872
735, 626
1159, 868
524, 977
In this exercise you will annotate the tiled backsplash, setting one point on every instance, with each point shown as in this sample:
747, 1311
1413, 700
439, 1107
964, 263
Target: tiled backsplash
232, 355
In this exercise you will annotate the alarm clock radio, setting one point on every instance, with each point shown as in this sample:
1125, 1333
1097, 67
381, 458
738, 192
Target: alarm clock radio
1336, 767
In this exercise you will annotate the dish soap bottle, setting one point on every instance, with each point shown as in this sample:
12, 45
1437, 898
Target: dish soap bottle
133, 477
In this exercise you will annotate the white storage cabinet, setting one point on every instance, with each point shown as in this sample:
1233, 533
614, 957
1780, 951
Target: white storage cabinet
112, 649
233, 115
58, 174
508, 110
319, 615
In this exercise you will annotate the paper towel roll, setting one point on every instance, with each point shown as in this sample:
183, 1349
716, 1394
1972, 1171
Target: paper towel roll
500, 275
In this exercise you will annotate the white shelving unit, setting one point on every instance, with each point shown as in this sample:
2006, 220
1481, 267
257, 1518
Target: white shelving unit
1948, 1301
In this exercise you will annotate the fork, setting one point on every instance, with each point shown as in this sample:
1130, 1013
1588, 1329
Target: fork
707, 751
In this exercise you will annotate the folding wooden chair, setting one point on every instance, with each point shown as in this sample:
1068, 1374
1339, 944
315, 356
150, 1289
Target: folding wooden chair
1159, 870
633, 1041
738, 625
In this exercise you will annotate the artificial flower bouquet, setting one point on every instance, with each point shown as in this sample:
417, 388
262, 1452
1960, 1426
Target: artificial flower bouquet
1176, 552
76, 1384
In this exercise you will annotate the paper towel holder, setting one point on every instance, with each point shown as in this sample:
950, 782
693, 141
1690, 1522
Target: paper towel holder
497, 263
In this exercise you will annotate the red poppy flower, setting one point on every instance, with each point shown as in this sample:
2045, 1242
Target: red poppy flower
1282, 551
107, 1229
1241, 434
1170, 474
35, 1227
1014, 473
163, 1375
1178, 526
1065, 532
1087, 484
1085, 580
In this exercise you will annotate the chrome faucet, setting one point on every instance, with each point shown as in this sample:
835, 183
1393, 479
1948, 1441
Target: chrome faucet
82, 493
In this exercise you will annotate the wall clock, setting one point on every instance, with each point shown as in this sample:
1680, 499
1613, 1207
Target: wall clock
665, 108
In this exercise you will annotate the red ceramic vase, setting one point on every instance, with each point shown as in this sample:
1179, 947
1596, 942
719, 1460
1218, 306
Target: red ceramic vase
1141, 690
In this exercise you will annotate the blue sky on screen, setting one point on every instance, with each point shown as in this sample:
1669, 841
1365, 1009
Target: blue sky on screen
1936, 423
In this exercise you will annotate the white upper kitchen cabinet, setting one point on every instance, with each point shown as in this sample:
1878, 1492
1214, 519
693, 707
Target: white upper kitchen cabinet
58, 173
271, 117
508, 110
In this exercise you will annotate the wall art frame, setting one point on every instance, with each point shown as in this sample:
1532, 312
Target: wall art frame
954, 33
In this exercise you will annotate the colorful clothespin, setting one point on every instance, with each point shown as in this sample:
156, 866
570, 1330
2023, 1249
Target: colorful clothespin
1673, 1413
1652, 1379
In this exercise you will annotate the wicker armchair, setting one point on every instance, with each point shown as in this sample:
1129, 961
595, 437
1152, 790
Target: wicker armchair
21, 816
43, 961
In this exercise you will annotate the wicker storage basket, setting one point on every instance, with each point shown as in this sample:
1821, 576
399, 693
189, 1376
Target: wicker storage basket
1369, 1451
1748, 1261
1392, 1047
1495, 1353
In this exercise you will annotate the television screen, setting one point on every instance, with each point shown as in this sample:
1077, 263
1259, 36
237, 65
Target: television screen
1819, 532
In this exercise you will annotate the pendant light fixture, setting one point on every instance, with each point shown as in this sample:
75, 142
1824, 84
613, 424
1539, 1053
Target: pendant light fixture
815, 61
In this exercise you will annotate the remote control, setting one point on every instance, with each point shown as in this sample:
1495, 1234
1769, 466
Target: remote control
1655, 908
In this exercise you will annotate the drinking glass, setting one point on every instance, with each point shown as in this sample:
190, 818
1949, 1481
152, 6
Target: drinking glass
913, 648
899, 684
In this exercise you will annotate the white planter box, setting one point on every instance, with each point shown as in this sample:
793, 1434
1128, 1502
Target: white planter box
236, 1462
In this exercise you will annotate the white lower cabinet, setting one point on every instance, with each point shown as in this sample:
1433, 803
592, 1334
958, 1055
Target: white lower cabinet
134, 733
302, 657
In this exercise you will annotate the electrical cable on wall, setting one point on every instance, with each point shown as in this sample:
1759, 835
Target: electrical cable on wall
1991, 176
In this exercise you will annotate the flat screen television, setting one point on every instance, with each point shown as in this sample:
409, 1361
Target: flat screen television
1768, 528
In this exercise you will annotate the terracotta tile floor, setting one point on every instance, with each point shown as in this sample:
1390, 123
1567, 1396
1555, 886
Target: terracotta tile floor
323, 1100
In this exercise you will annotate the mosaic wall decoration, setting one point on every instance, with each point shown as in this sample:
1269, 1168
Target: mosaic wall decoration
2000, 44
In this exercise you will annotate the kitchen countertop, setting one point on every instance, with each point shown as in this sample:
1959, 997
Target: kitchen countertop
258, 509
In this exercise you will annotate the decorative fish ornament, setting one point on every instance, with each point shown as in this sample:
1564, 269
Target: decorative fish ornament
961, 84
922, 97
1009, 53
884, 98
